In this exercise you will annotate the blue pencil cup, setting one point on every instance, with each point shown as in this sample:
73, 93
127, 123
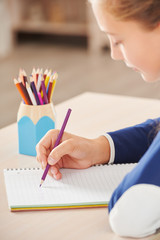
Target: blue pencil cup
33, 123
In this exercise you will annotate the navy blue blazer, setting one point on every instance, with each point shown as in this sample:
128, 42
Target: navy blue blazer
140, 143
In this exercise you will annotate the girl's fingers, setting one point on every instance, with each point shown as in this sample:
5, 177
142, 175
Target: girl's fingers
66, 147
45, 145
55, 173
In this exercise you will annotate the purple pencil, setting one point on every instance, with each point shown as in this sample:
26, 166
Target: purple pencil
45, 98
56, 143
34, 90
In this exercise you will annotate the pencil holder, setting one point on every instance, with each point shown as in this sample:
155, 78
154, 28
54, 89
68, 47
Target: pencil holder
33, 123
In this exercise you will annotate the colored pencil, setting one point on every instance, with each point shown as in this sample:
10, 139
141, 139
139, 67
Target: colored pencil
53, 86
37, 75
50, 88
34, 76
26, 93
21, 88
56, 143
31, 95
34, 90
25, 76
43, 83
40, 78
40, 98
21, 76
46, 81
47, 78
45, 74
45, 98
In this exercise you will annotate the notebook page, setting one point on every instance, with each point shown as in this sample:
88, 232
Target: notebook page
87, 186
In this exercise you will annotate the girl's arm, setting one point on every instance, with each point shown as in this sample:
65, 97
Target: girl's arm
131, 143
134, 206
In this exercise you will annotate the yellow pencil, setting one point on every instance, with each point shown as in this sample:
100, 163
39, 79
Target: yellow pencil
46, 81
47, 78
55, 77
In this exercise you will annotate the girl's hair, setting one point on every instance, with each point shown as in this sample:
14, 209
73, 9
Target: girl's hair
146, 12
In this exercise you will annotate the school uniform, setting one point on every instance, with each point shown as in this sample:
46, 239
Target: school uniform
134, 208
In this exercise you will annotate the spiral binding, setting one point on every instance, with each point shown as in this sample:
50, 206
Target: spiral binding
21, 169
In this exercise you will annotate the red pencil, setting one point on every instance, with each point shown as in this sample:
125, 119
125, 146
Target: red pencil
45, 74
21, 76
37, 74
25, 77
50, 89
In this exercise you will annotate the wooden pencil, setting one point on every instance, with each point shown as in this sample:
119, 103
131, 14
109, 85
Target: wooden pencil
22, 92
40, 98
55, 77
21, 76
34, 90
37, 75
45, 98
34, 75
31, 95
45, 74
46, 81
25, 93
50, 89
25, 77
40, 78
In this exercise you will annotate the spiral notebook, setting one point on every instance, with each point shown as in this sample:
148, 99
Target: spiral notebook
90, 187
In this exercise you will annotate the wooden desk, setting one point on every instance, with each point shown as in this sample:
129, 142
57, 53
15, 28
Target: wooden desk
92, 115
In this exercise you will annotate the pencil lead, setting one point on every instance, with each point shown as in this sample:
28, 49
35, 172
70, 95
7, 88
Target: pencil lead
41, 183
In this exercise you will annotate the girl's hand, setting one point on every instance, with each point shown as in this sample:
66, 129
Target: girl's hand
72, 152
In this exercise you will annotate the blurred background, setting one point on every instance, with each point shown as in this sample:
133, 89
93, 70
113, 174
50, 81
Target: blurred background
63, 36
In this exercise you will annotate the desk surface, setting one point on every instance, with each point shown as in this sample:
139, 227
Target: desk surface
92, 115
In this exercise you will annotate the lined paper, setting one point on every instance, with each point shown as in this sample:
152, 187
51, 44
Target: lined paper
92, 186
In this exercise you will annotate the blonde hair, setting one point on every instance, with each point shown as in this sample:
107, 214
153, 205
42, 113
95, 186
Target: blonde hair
146, 12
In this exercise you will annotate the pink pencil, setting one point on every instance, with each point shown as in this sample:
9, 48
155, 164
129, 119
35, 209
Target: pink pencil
40, 98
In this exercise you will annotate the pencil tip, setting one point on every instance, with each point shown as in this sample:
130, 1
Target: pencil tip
41, 183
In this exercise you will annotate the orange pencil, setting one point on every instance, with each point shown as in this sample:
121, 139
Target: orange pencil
23, 92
